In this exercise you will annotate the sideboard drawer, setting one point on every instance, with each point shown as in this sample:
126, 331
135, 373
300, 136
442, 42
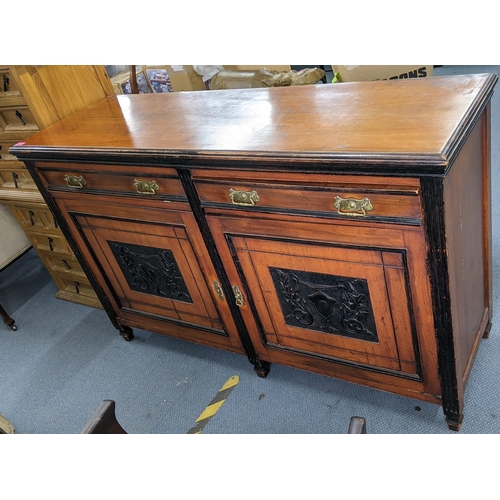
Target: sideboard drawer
342, 197
112, 180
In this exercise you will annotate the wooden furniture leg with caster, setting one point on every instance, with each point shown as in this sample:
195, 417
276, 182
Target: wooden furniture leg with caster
7, 319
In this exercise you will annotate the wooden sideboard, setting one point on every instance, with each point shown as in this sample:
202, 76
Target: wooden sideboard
343, 229
31, 99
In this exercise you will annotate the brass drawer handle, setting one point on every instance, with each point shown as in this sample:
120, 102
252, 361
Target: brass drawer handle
75, 181
244, 198
238, 296
352, 207
218, 290
146, 187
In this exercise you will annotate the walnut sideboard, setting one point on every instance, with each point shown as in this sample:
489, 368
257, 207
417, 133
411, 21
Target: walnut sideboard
343, 229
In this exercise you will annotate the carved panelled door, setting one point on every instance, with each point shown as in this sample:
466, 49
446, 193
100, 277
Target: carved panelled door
156, 271
312, 299
333, 300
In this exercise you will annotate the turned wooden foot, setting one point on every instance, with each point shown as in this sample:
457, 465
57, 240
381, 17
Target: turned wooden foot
127, 333
7, 319
487, 331
454, 423
261, 368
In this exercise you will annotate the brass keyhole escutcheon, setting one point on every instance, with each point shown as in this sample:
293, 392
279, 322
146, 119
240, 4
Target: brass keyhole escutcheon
238, 296
218, 290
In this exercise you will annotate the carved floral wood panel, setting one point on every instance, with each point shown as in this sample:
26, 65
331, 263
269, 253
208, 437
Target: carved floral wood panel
151, 270
326, 303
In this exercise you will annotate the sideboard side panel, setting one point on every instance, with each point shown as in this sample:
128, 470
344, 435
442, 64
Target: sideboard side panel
468, 271
487, 219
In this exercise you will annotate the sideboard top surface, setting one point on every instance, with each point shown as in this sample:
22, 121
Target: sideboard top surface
413, 122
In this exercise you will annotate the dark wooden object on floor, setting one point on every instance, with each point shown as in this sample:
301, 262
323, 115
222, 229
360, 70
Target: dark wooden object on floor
104, 421
7, 319
357, 425
343, 229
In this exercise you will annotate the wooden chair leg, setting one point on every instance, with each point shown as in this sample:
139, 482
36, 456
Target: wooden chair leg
357, 425
7, 319
104, 421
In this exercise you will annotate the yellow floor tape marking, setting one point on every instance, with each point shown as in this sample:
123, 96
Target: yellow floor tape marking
210, 411
214, 405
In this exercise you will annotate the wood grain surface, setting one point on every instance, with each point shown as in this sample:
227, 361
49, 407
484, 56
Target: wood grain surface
400, 121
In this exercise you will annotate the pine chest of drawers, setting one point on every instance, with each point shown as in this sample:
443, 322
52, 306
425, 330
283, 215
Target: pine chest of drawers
343, 229
31, 98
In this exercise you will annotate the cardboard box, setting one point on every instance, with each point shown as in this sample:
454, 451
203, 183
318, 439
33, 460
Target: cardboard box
269, 67
184, 78
370, 73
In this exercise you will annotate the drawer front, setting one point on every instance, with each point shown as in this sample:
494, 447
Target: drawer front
49, 243
113, 180
14, 175
73, 288
63, 265
7, 83
34, 217
8, 86
350, 197
17, 118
